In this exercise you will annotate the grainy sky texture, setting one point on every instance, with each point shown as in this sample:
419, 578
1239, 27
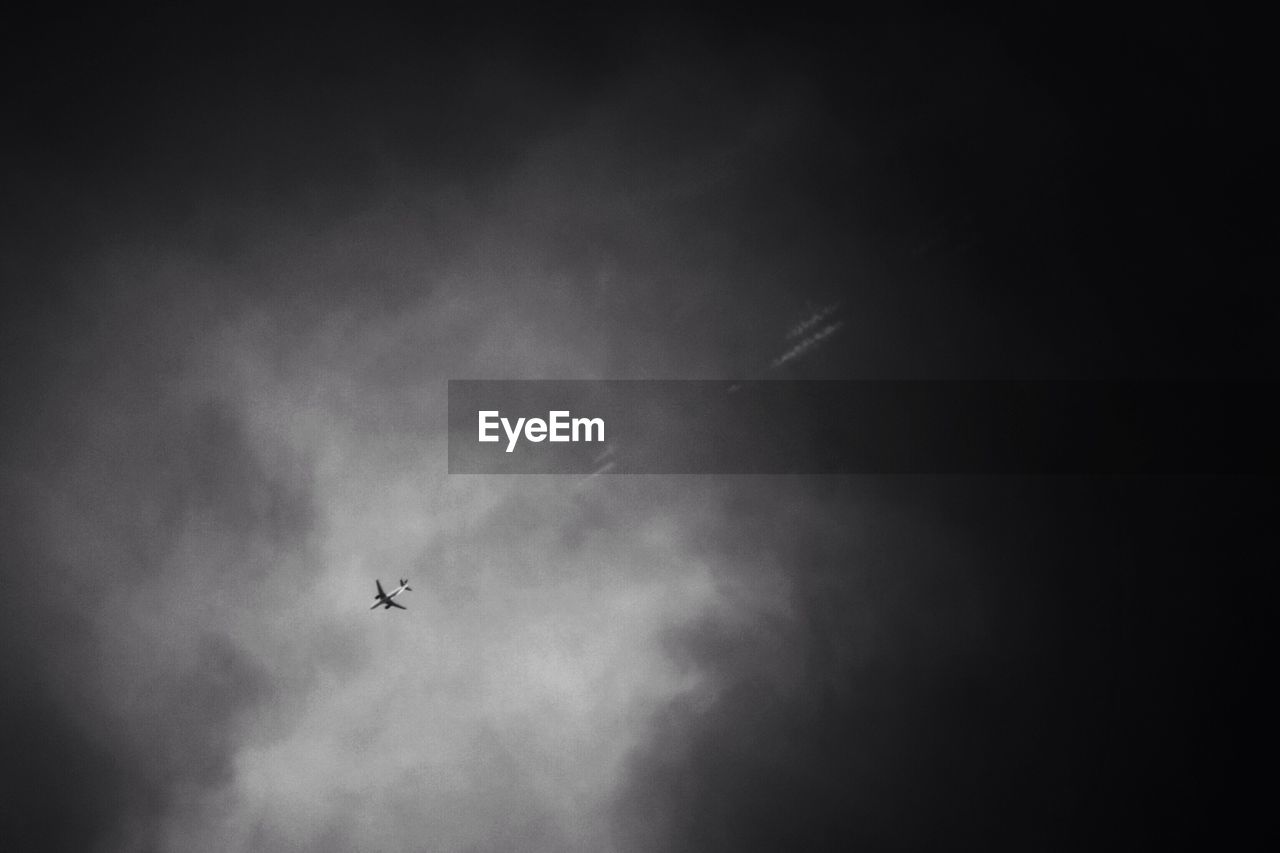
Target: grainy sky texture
244, 255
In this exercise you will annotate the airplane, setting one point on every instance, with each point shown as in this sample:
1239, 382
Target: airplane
383, 599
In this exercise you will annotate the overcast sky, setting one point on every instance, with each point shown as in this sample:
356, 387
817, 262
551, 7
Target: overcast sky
244, 257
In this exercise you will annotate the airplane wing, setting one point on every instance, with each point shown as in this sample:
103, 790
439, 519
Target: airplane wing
392, 603
381, 592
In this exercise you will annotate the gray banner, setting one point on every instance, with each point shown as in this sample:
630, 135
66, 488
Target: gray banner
824, 427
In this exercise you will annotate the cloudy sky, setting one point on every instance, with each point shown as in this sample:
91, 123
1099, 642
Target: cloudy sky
244, 255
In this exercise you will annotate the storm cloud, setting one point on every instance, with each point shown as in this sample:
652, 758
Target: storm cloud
246, 256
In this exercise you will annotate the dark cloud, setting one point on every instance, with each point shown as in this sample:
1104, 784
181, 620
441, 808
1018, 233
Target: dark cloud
136, 522
975, 663
62, 790
245, 255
